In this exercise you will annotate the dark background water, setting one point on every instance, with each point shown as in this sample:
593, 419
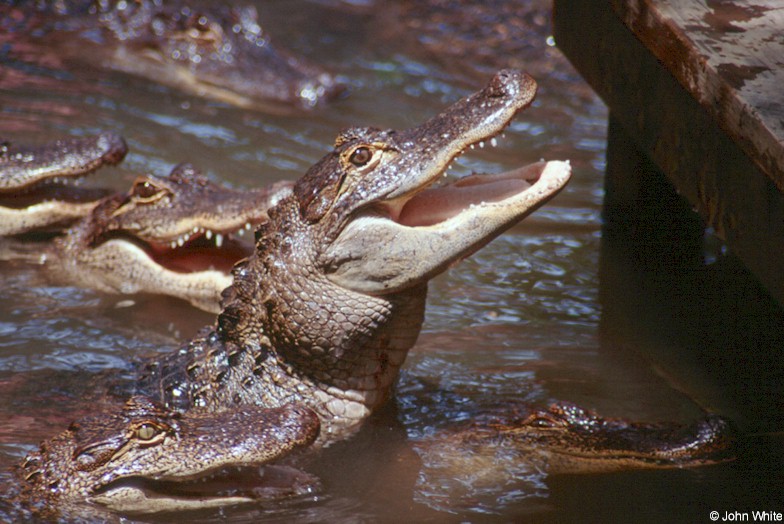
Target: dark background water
531, 317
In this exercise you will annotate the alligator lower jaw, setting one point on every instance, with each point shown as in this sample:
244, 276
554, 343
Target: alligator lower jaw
226, 486
534, 182
62, 192
45, 207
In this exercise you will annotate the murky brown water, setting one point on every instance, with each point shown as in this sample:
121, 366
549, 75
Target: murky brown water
521, 320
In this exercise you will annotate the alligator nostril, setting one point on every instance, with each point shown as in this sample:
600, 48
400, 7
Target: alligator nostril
498, 85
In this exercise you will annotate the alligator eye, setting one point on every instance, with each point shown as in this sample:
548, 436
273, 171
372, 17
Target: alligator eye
538, 421
361, 156
146, 191
203, 31
149, 433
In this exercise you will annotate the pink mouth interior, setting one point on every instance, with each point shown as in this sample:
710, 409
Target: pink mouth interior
200, 254
441, 203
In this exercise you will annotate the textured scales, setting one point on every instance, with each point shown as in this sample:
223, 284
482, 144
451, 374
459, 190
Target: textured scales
297, 328
147, 458
208, 49
321, 315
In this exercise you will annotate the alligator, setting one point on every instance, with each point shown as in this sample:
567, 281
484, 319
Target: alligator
208, 49
167, 235
322, 313
325, 309
565, 438
146, 458
520, 445
33, 193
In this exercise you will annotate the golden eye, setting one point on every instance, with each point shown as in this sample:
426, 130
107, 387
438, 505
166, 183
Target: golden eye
147, 432
360, 156
146, 191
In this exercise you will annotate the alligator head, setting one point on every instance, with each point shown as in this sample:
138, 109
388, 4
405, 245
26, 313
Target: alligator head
146, 458
509, 454
168, 235
210, 50
574, 440
33, 190
328, 305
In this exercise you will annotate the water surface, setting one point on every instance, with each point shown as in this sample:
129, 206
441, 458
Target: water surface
522, 320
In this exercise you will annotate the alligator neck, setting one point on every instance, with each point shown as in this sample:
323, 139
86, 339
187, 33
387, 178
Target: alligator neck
287, 334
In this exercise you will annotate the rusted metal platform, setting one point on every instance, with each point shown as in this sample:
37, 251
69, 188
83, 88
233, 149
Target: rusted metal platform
696, 87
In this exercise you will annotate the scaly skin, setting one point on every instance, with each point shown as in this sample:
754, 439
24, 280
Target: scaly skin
208, 49
32, 194
510, 454
565, 438
145, 458
325, 310
168, 235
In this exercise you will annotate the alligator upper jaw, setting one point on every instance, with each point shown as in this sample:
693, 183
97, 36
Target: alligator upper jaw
24, 167
418, 237
209, 489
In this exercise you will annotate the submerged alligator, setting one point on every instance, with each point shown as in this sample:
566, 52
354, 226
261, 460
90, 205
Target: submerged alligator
208, 49
519, 445
322, 314
33, 192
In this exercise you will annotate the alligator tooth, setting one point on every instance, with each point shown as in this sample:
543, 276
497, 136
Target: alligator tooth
493, 142
240, 232
195, 229
181, 241
481, 144
218, 239
208, 234
248, 226
174, 244
472, 146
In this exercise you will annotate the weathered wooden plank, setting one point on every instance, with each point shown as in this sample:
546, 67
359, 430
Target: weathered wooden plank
714, 172
730, 57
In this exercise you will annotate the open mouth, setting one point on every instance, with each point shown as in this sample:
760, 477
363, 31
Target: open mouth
424, 230
200, 249
227, 485
476, 121
436, 203
439, 204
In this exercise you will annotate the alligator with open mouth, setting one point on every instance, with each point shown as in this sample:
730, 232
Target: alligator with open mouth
323, 312
205, 48
145, 456
170, 235
34, 194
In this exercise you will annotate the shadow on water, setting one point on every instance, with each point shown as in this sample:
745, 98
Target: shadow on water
558, 308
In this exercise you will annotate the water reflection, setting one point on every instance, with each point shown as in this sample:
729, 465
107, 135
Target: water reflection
518, 321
